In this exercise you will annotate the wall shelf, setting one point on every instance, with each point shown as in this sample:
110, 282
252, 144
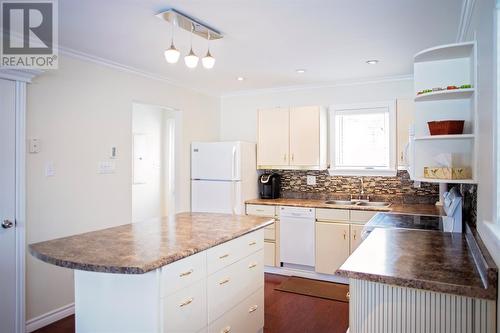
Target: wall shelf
449, 181
444, 52
445, 95
447, 137
438, 67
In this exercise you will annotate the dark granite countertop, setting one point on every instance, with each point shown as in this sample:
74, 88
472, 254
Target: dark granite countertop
142, 247
421, 259
421, 209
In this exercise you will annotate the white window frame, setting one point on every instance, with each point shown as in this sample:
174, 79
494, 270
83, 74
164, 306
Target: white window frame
391, 171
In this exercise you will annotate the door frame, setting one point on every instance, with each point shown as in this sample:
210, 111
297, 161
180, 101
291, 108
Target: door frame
174, 186
22, 78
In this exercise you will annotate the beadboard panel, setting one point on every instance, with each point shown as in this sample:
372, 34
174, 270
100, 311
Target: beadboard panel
382, 308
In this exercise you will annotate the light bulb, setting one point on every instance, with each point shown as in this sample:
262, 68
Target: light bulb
172, 54
191, 60
208, 61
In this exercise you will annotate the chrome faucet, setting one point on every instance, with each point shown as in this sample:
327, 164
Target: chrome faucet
361, 188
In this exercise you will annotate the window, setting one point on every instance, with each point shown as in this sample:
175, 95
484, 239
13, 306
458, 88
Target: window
363, 139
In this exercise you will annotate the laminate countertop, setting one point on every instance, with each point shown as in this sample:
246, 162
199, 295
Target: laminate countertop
423, 259
420, 209
141, 247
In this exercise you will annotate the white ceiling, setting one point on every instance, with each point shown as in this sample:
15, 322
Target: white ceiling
265, 40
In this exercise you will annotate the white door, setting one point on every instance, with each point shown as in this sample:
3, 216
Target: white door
215, 160
273, 137
216, 197
7, 207
305, 135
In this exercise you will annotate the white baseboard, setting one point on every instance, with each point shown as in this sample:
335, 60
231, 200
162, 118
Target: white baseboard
305, 274
50, 317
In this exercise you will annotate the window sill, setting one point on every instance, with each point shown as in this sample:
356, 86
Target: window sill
362, 172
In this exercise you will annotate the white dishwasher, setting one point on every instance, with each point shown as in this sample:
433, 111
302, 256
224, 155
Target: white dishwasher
297, 236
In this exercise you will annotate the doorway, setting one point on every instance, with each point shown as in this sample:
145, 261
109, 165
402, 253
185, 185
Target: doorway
154, 141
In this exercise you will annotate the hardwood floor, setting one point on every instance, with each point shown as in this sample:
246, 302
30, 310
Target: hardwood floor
284, 312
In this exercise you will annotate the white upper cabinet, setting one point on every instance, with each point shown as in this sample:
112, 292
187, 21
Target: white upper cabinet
273, 137
292, 138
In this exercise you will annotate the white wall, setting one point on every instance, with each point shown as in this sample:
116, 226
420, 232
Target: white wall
79, 112
239, 112
483, 30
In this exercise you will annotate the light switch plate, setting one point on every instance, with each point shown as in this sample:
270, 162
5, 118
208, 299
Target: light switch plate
34, 145
311, 180
106, 167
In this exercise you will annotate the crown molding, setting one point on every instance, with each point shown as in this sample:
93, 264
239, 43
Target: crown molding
465, 19
340, 83
125, 68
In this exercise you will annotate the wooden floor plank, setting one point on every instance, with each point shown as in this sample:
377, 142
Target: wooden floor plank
284, 312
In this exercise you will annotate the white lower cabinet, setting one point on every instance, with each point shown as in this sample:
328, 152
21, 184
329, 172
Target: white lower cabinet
220, 289
186, 309
332, 246
356, 230
246, 317
269, 253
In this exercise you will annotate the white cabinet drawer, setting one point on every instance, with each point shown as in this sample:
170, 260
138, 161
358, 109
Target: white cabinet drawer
270, 232
182, 273
261, 210
325, 214
229, 286
246, 317
186, 309
269, 254
228, 253
361, 215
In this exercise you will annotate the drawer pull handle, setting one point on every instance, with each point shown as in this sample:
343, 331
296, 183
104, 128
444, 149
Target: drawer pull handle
252, 265
252, 243
354, 236
226, 329
224, 281
345, 235
259, 210
186, 273
224, 256
253, 308
186, 302
348, 295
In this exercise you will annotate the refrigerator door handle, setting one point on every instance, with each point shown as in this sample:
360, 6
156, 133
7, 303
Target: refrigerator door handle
233, 166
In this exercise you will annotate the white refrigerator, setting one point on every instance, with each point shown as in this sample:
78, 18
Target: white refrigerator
223, 176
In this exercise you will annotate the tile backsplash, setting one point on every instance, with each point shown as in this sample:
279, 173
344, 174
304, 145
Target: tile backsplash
398, 189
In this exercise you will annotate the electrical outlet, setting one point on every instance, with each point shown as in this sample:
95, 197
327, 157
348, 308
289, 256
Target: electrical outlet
34, 145
50, 170
311, 180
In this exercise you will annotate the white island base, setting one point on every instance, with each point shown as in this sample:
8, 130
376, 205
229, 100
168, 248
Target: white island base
217, 290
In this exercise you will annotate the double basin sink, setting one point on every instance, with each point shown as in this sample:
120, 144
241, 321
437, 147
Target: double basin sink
358, 203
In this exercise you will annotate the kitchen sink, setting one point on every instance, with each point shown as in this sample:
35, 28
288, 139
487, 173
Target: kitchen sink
340, 202
374, 203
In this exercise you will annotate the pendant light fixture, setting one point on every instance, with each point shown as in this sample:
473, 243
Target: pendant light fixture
208, 61
195, 27
191, 60
172, 54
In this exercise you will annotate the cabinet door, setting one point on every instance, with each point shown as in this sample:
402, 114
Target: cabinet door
305, 136
405, 117
355, 236
332, 246
273, 137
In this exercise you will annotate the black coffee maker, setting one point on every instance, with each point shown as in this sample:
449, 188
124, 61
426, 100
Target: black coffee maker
269, 186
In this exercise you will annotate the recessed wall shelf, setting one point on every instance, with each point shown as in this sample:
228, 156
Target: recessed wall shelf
447, 137
445, 94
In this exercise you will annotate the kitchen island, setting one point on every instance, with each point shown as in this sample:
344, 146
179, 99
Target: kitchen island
189, 273
408, 280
